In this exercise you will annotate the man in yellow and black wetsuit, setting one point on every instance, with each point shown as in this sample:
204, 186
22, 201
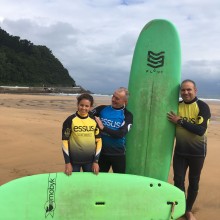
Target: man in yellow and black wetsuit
191, 141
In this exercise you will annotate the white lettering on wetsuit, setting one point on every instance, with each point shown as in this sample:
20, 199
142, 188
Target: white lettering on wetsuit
110, 123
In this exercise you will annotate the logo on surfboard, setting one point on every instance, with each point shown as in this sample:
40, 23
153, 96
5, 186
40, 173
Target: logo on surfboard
50, 204
155, 60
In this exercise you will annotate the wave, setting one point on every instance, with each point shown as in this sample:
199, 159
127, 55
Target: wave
106, 95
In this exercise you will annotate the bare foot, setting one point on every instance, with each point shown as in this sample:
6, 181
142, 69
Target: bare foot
190, 216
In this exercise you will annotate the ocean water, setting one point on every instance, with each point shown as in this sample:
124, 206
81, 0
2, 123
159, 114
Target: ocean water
103, 95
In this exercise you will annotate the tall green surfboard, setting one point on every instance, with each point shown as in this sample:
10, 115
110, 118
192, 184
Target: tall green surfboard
85, 196
154, 91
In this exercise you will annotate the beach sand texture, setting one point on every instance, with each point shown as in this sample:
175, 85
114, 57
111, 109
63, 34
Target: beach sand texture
30, 134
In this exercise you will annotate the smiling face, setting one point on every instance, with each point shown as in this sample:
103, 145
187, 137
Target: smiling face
84, 107
119, 99
188, 91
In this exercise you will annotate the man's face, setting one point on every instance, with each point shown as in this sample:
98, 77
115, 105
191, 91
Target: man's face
188, 91
118, 99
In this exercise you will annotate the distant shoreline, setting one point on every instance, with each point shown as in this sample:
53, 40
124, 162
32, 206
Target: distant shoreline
41, 90
61, 91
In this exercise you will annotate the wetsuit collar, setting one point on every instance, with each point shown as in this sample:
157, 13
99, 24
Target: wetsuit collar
118, 108
194, 100
80, 116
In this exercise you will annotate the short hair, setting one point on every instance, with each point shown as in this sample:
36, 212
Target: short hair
188, 80
125, 90
86, 96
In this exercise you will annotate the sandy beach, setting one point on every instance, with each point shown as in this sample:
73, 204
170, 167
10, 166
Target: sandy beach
31, 143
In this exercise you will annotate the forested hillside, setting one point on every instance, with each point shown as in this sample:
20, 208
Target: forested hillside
24, 64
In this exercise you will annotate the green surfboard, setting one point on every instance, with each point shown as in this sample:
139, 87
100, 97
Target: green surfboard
154, 90
83, 196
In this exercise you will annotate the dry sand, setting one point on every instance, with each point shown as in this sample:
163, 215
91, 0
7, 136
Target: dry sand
30, 134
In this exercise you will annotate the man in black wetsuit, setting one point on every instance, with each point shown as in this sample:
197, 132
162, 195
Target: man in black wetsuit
191, 141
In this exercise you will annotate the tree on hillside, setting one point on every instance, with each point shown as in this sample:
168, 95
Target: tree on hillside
24, 64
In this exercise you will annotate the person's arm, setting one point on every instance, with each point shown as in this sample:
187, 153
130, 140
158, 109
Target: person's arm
122, 131
194, 128
98, 149
95, 165
98, 140
203, 117
65, 150
66, 132
203, 120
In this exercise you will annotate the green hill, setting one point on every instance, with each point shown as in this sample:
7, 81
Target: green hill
24, 64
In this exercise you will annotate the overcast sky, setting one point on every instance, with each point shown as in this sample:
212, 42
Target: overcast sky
95, 39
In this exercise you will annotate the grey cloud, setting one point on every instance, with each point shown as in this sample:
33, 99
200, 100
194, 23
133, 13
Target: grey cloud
206, 75
95, 39
202, 69
55, 35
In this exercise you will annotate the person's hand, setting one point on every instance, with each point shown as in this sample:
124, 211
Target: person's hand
99, 122
173, 117
68, 169
95, 168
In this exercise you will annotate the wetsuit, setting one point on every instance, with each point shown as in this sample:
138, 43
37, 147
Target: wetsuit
117, 123
81, 142
190, 150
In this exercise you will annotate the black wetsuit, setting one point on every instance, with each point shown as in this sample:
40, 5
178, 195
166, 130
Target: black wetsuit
191, 143
117, 123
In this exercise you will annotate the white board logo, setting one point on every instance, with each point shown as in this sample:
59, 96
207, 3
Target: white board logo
155, 60
50, 204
